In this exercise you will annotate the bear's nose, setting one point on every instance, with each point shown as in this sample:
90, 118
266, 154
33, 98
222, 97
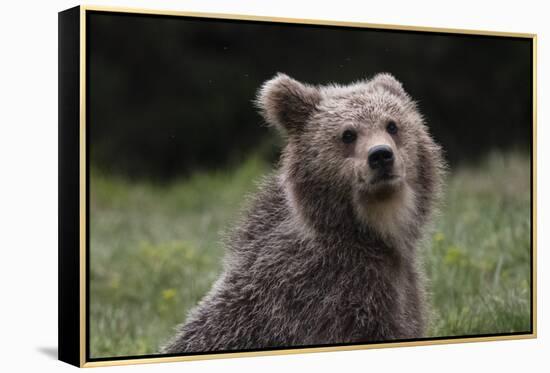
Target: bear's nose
380, 156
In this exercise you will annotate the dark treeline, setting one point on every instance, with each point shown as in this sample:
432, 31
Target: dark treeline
168, 95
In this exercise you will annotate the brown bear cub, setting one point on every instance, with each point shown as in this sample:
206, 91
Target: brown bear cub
326, 253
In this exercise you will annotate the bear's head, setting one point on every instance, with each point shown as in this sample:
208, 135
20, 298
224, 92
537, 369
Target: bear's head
357, 156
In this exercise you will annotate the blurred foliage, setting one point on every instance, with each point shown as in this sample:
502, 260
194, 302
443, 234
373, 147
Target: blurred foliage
168, 95
155, 251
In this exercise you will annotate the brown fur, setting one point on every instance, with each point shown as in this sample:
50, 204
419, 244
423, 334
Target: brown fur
326, 253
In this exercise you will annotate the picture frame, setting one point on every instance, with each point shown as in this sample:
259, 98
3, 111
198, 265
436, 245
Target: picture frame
75, 175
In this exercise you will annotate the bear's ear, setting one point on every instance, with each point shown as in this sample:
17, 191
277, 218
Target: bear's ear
287, 103
388, 82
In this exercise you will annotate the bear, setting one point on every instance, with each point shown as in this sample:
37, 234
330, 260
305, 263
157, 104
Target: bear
326, 252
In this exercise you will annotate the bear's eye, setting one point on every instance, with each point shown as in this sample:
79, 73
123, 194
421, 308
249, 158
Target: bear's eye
349, 136
391, 127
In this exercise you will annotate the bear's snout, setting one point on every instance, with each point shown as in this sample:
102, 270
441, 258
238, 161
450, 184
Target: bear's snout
380, 157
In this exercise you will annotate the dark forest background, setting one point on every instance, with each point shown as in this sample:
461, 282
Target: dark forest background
169, 95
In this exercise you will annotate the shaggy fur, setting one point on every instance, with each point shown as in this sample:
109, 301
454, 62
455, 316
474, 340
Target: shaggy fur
326, 253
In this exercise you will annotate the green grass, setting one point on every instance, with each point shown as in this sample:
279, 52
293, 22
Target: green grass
478, 261
155, 251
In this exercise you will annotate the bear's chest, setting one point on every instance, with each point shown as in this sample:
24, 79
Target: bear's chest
335, 300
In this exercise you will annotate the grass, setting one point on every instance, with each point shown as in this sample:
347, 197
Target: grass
155, 251
478, 261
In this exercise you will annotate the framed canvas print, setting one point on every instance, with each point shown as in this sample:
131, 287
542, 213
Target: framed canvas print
240, 185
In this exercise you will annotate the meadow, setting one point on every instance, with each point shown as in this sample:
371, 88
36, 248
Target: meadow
155, 250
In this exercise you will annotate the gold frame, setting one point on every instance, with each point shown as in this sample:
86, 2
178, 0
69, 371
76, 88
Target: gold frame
82, 196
